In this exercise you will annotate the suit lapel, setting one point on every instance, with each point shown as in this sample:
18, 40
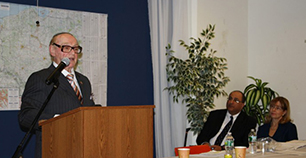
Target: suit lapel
63, 82
65, 85
238, 122
81, 84
80, 81
219, 121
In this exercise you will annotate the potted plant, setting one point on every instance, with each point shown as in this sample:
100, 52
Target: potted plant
258, 97
198, 79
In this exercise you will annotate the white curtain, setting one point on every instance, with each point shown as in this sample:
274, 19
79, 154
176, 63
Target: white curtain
169, 23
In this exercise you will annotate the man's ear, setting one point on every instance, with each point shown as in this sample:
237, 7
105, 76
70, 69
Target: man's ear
51, 50
243, 105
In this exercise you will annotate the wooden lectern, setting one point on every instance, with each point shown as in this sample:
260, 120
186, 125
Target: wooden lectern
100, 132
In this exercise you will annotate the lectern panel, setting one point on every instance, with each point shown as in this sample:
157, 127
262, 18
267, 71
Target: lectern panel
100, 132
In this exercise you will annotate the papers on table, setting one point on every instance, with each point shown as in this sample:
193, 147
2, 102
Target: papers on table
212, 153
291, 149
295, 148
291, 145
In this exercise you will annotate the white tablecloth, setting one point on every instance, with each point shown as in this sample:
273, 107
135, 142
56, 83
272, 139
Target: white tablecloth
292, 149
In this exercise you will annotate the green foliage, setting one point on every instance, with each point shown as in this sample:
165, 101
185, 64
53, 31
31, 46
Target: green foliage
258, 97
197, 79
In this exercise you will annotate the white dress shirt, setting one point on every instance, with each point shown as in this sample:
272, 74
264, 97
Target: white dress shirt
226, 120
65, 73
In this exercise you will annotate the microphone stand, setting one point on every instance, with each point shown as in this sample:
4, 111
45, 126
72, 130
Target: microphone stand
18, 153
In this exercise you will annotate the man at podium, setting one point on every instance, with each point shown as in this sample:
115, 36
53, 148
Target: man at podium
74, 89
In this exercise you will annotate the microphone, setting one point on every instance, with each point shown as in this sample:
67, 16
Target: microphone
55, 74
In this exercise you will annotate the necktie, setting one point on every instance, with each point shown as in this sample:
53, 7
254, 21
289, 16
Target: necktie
75, 87
224, 132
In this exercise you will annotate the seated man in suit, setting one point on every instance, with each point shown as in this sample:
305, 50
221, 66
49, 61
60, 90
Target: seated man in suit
231, 119
71, 93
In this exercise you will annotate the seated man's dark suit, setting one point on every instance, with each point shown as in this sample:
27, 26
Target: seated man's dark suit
240, 129
63, 100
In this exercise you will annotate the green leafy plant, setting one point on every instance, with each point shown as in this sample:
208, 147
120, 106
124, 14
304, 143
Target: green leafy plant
258, 97
197, 79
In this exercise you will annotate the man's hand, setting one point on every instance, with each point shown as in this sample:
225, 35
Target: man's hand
213, 147
216, 147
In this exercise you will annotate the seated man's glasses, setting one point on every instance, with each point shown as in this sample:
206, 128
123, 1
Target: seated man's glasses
67, 49
234, 99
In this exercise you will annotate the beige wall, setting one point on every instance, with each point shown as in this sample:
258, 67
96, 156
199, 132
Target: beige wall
277, 51
264, 39
231, 38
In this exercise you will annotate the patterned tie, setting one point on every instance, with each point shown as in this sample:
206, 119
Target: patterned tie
224, 132
75, 87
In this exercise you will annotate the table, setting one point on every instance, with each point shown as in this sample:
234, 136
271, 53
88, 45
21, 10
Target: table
292, 149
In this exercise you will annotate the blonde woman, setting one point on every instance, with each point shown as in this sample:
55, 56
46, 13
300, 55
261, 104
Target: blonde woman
278, 124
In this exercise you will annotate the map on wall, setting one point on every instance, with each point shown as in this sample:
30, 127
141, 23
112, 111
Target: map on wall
24, 47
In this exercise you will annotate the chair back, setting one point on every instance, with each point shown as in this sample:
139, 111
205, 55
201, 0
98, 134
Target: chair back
186, 134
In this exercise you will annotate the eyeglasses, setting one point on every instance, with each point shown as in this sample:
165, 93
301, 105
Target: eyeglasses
276, 107
67, 49
234, 99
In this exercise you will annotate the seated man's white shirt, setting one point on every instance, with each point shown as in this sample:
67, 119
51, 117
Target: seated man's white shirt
226, 120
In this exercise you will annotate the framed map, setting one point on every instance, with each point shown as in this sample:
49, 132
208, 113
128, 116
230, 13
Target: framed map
25, 33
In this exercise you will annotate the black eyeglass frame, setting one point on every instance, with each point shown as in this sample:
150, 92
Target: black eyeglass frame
67, 46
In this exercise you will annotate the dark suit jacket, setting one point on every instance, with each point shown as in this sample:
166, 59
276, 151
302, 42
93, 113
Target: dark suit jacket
285, 132
63, 100
240, 129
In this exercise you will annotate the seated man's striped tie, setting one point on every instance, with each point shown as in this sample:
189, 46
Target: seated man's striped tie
75, 87
224, 132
